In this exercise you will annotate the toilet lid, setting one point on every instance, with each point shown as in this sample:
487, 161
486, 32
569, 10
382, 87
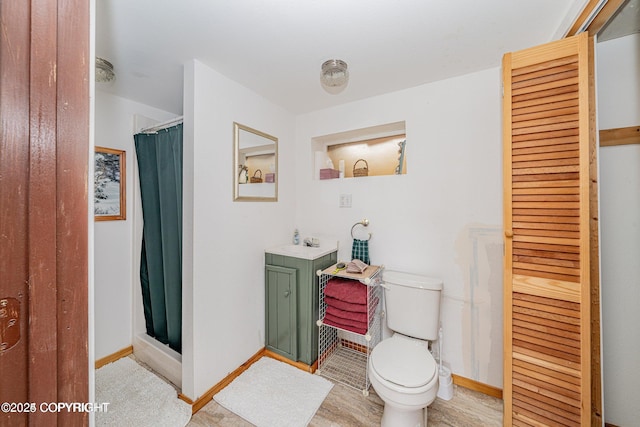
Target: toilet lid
403, 362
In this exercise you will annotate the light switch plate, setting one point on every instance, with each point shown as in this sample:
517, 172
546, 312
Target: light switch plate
345, 201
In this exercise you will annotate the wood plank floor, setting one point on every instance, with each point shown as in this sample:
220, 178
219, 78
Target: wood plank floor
346, 407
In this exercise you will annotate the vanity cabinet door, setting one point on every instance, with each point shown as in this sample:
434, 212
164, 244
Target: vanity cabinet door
281, 310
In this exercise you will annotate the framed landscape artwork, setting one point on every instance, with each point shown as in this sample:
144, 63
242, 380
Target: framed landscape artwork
109, 184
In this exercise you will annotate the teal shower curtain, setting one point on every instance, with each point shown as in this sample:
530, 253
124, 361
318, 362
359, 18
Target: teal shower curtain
160, 169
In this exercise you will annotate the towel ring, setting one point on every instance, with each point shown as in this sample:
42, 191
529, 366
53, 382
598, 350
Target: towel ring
364, 223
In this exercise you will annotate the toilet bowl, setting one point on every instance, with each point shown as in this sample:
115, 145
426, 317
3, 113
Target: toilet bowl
404, 374
401, 368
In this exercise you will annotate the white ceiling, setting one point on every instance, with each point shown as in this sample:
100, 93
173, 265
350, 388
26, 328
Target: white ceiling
276, 47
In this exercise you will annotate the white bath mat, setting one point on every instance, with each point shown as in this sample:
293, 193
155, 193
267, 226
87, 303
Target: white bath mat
137, 397
274, 394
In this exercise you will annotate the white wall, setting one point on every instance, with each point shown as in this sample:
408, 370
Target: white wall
113, 253
223, 278
618, 85
444, 218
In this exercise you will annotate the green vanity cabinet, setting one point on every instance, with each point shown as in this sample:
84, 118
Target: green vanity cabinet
282, 311
291, 312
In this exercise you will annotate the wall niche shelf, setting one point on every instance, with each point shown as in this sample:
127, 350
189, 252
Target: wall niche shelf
380, 149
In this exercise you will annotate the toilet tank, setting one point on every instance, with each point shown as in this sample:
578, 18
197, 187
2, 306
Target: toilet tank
412, 304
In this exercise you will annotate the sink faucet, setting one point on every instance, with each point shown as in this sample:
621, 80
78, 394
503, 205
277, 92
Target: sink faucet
311, 242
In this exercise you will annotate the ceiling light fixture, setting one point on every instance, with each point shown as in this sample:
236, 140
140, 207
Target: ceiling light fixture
104, 71
334, 73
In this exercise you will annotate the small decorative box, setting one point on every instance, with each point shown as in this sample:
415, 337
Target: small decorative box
329, 173
269, 177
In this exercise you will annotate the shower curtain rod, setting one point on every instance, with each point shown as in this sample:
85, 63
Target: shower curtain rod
163, 125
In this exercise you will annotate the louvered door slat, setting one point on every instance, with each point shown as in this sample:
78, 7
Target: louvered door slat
554, 152
545, 195
543, 111
557, 212
537, 69
525, 329
545, 418
543, 129
544, 103
547, 277
546, 88
534, 222
552, 187
552, 117
550, 73
528, 320
562, 91
571, 144
549, 402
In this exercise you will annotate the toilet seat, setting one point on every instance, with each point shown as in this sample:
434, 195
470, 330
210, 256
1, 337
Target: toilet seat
403, 362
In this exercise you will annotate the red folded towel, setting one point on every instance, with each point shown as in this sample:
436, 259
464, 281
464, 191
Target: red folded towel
348, 306
349, 315
349, 325
347, 290
343, 305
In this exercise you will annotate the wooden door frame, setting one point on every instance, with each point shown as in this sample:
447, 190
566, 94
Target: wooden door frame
45, 117
593, 19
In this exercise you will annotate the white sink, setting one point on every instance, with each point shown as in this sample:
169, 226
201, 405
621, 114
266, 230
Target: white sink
304, 252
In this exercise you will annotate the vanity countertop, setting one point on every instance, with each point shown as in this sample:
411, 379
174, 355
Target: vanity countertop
304, 252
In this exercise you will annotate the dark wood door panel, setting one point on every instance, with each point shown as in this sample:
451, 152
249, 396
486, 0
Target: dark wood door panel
14, 175
44, 154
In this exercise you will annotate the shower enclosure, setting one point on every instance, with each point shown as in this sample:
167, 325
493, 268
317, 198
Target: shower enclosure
157, 346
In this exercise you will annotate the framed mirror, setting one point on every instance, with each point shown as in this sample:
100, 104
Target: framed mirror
255, 165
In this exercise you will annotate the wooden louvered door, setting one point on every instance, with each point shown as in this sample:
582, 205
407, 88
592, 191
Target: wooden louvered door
548, 143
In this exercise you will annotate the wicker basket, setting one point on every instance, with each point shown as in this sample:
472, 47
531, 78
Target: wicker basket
361, 171
256, 178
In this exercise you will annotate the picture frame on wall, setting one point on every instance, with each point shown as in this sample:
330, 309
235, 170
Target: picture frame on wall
109, 184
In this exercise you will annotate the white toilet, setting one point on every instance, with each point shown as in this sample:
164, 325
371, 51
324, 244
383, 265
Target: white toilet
401, 369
